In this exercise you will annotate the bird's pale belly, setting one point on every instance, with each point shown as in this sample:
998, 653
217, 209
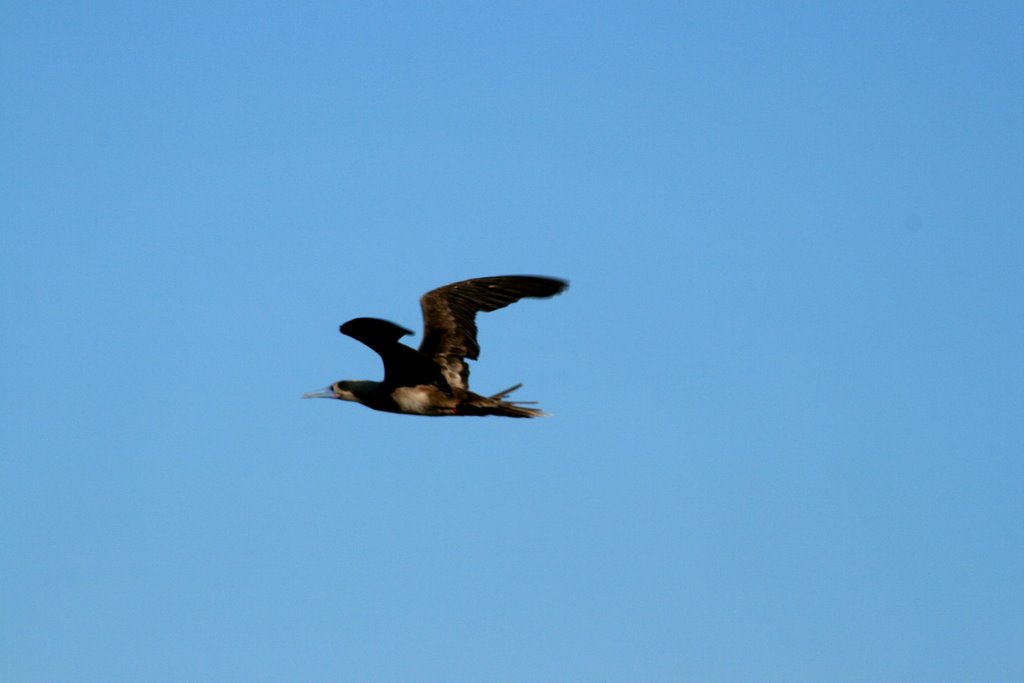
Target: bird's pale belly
423, 400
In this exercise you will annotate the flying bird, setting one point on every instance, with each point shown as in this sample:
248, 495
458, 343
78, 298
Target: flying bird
434, 380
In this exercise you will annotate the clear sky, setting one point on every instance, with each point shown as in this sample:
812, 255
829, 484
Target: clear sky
787, 380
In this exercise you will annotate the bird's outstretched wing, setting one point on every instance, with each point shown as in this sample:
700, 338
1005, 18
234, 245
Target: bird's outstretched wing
449, 313
403, 366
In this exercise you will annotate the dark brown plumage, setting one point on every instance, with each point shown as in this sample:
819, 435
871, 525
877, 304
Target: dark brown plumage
434, 380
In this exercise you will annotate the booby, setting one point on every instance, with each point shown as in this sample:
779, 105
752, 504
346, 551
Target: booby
434, 380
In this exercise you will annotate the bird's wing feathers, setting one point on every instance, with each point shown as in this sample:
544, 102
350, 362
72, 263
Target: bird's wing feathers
449, 312
402, 365
374, 331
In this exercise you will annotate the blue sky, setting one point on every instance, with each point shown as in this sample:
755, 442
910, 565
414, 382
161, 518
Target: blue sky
787, 380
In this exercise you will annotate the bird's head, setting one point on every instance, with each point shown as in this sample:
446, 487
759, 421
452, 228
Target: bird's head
345, 390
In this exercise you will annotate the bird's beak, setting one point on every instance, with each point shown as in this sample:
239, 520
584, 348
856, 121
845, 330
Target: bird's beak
326, 392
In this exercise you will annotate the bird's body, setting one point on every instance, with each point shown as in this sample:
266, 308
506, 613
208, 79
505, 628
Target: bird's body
434, 380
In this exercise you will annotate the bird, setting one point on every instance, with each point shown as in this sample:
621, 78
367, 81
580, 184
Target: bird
434, 380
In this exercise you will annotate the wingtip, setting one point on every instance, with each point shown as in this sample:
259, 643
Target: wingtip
373, 329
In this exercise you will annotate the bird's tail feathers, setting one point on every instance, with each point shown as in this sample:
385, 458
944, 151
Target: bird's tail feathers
506, 392
514, 409
494, 405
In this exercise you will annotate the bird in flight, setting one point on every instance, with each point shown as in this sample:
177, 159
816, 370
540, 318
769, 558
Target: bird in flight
434, 380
